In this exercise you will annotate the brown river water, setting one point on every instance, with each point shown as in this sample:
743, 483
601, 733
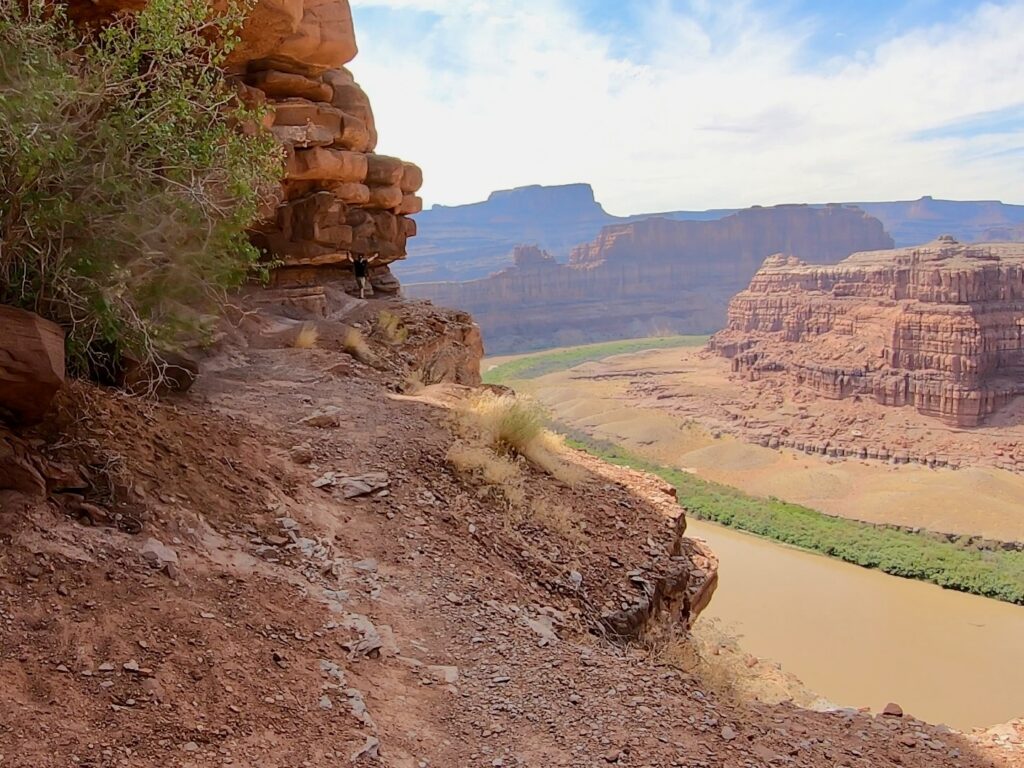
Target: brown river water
862, 638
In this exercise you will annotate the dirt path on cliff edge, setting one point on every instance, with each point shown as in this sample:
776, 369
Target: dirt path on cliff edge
235, 614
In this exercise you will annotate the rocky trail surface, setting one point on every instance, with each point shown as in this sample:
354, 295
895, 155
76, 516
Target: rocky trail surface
281, 569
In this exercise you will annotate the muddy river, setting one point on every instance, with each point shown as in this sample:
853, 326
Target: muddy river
863, 638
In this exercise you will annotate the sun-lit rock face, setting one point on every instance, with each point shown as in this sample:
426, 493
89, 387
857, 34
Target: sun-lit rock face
939, 327
340, 197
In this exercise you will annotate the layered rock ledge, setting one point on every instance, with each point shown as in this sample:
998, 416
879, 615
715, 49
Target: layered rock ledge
938, 327
340, 197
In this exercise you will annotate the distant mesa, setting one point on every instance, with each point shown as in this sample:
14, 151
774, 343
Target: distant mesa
935, 327
467, 242
651, 276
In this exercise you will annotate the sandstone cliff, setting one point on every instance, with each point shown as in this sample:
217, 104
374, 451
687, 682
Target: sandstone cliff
339, 197
936, 327
652, 276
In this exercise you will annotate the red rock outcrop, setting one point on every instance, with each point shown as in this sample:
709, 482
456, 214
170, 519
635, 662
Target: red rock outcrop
31, 365
340, 197
647, 277
939, 327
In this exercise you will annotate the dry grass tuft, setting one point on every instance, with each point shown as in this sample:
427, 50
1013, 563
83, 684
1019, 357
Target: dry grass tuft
413, 383
513, 425
714, 655
307, 338
354, 343
510, 424
390, 328
499, 474
556, 518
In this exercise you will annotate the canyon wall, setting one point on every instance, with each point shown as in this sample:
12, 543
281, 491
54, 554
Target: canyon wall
467, 242
654, 276
339, 196
939, 328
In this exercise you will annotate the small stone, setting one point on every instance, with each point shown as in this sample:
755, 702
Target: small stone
728, 733
131, 666
326, 703
445, 674
893, 710
907, 740
190, 746
158, 554
106, 667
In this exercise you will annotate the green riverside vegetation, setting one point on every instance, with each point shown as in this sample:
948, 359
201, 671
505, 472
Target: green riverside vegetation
543, 363
924, 556
997, 573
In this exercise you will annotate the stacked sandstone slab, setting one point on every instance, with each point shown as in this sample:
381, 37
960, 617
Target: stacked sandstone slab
939, 327
339, 196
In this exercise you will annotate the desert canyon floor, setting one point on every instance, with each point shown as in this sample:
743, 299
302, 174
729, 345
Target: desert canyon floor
683, 407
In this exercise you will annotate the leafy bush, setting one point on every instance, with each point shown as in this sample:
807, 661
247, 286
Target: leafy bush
128, 180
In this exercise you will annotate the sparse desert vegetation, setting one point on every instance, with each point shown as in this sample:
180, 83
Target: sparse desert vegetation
354, 343
390, 328
503, 439
543, 363
991, 573
307, 337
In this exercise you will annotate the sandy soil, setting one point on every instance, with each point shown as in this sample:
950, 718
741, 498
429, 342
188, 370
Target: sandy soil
682, 407
406, 628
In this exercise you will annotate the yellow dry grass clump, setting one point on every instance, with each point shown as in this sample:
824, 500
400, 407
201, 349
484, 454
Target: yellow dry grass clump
389, 326
307, 337
354, 344
513, 425
503, 436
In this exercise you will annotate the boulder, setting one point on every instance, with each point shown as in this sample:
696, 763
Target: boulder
31, 365
303, 37
20, 472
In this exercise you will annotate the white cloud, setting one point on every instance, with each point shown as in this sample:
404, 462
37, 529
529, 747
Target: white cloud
704, 111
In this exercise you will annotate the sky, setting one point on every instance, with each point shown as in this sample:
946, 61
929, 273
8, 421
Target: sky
694, 104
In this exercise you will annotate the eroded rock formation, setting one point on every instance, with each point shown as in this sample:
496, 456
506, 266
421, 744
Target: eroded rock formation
340, 197
647, 277
939, 327
31, 365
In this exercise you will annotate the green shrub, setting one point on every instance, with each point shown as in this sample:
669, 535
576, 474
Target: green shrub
128, 186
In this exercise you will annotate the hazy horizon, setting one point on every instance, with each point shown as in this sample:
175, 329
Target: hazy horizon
669, 105
865, 200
